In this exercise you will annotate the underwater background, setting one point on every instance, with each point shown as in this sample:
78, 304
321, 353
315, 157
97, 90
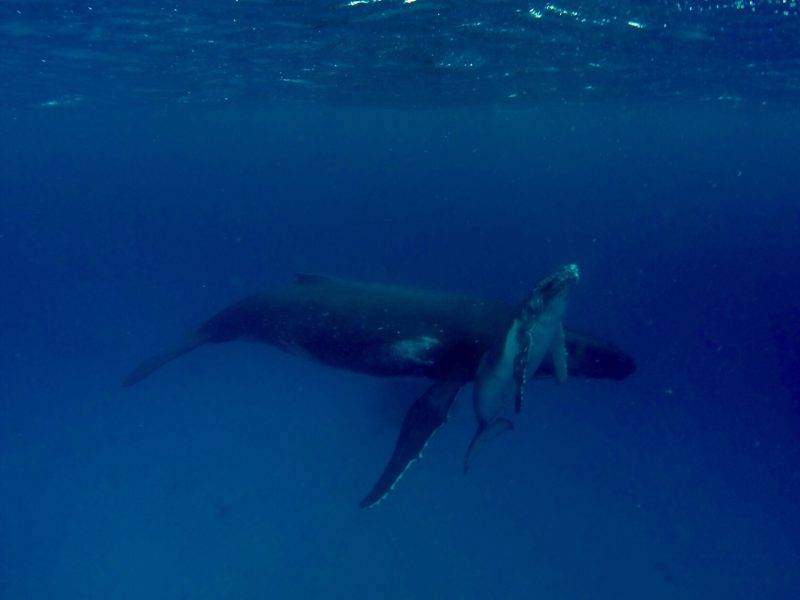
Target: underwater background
159, 160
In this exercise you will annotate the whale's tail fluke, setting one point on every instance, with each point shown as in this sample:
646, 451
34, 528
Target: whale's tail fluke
485, 433
145, 368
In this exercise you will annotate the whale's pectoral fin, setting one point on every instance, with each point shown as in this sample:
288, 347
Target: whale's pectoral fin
425, 416
559, 351
521, 369
486, 432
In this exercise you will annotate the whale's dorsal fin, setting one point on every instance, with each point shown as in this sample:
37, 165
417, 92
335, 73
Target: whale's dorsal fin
312, 279
425, 416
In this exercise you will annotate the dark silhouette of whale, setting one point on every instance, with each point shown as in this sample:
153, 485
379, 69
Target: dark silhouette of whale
386, 330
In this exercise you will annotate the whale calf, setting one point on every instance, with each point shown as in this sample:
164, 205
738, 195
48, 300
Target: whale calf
387, 330
536, 331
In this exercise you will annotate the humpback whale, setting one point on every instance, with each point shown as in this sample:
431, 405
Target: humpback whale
387, 330
536, 331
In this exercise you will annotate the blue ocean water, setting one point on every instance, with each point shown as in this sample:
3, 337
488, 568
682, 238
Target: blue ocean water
159, 161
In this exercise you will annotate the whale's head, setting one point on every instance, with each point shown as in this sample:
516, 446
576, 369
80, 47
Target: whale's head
591, 357
553, 289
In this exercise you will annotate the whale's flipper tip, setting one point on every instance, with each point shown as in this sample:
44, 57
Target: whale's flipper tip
425, 416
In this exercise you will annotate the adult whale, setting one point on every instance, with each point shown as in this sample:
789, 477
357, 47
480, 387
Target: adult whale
386, 330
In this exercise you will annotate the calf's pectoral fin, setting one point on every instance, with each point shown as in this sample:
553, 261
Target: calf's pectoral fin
425, 416
521, 369
485, 433
558, 349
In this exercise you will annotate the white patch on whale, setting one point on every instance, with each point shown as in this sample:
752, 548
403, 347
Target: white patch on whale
416, 350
